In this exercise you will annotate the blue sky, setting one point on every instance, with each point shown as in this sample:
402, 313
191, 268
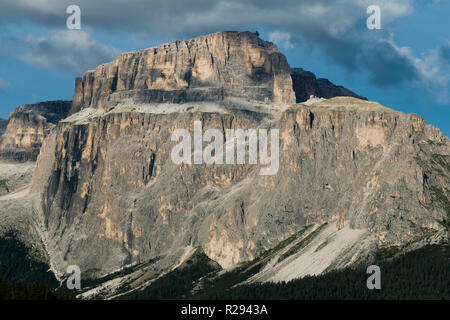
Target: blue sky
405, 65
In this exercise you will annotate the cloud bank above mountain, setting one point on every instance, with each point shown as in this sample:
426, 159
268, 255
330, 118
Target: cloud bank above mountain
336, 27
72, 51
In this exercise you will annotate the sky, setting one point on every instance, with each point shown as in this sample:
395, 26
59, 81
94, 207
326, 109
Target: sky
404, 65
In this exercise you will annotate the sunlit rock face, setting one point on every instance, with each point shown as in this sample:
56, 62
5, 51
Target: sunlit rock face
105, 183
107, 194
27, 127
207, 68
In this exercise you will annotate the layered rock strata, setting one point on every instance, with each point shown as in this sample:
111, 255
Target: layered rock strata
207, 68
105, 183
107, 193
27, 127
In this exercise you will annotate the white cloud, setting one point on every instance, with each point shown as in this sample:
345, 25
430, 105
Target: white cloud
282, 39
69, 50
4, 84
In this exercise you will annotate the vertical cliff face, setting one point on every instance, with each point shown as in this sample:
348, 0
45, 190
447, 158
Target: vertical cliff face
105, 183
3, 123
305, 85
27, 127
107, 193
211, 67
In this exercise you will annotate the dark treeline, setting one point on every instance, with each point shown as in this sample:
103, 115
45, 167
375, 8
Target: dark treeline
421, 274
21, 276
18, 266
23, 291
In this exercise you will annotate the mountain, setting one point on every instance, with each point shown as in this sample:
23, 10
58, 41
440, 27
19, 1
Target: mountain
27, 127
305, 85
353, 177
19, 146
3, 124
208, 68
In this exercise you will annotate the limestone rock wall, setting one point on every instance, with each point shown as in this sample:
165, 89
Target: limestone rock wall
237, 64
27, 127
106, 193
3, 123
106, 184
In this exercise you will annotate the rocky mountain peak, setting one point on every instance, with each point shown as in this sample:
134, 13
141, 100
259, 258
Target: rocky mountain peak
27, 127
354, 176
305, 85
207, 68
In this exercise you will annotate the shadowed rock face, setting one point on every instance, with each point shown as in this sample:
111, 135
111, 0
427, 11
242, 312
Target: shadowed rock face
306, 84
207, 68
3, 123
27, 127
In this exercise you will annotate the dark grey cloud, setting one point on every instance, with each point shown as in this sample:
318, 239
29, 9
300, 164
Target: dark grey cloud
337, 27
388, 67
189, 17
73, 51
359, 51
445, 52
